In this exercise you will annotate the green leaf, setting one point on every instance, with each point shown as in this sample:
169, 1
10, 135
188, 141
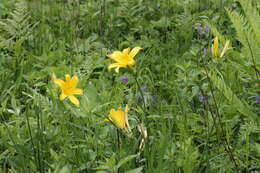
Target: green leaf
65, 169
136, 170
90, 98
124, 160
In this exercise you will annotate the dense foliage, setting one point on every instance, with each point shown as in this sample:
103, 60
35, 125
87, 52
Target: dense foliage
191, 108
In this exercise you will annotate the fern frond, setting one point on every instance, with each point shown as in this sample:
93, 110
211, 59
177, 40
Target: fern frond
17, 27
241, 107
245, 35
253, 17
215, 31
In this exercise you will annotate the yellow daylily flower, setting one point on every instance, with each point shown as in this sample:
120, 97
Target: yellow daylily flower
120, 118
215, 48
68, 88
123, 59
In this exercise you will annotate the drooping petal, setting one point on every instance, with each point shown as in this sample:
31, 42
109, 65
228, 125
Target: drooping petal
74, 81
116, 56
77, 91
117, 69
112, 66
67, 77
62, 96
134, 51
116, 65
74, 100
225, 49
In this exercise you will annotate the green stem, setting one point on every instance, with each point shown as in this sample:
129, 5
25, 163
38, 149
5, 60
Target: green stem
118, 140
142, 95
39, 136
226, 144
30, 133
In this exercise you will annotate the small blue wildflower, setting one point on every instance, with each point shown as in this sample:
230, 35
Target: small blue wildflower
206, 28
258, 99
125, 79
203, 99
205, 51
200, 30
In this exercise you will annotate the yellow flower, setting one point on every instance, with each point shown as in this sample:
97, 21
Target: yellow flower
215, 48
120, 118
123, 59
68, 88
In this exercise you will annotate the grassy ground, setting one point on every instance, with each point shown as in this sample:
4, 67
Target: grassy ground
200, 112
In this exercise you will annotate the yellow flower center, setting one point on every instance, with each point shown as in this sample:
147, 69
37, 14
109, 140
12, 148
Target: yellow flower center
67, 88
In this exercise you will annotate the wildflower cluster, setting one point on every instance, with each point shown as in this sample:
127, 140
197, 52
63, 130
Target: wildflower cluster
119, 117
215, 51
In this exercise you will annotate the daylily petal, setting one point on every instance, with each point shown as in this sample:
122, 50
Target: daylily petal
111, 111
215, 49
67, 77
68, 88
116, 65
74, 81
62, 96
116, 56
126, 51
77, 91
74, 100
118, 117
134, 51
59, 82
117, 69
123, 59
225, 49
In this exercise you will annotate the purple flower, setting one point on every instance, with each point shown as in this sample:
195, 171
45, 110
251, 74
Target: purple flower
258, 99
125, 79
205, 52
200, 30
203, 99
206, 28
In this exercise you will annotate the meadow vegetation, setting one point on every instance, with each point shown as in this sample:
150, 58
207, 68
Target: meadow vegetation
185, 96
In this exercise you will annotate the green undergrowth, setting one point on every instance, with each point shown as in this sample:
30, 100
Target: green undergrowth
201, 113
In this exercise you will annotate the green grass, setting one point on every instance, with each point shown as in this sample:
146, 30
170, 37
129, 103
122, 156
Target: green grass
201, 114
